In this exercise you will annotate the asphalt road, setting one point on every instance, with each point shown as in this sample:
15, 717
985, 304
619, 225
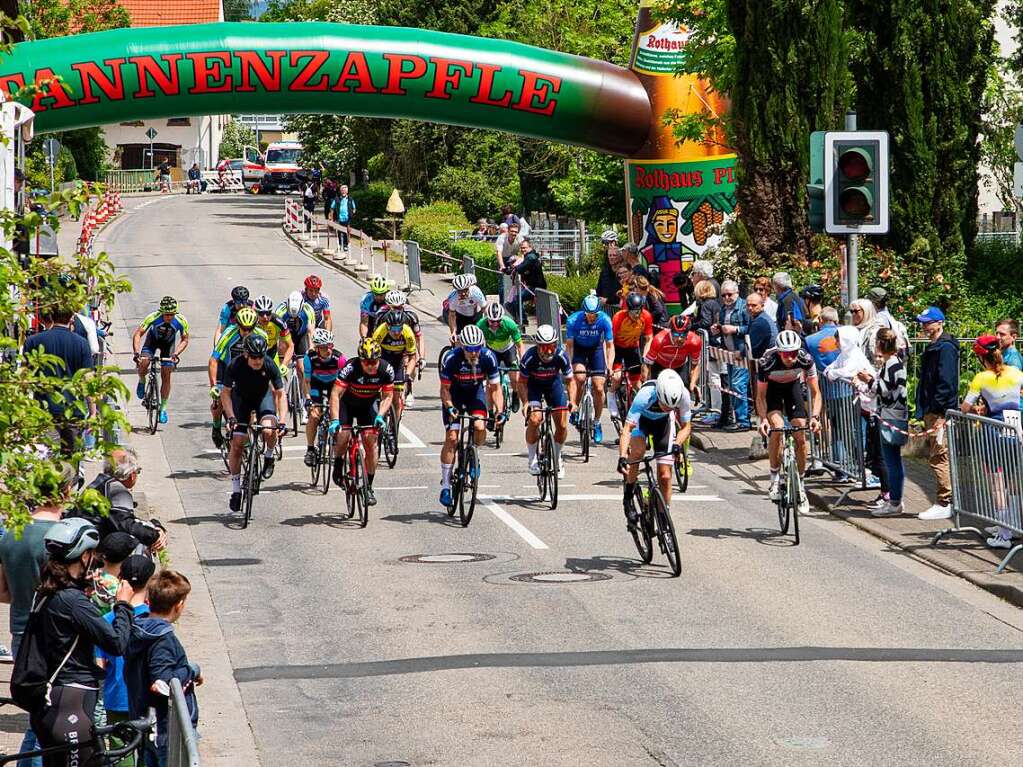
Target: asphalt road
835, 652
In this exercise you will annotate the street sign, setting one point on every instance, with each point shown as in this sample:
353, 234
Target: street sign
151, 133
1017, 180
51, 147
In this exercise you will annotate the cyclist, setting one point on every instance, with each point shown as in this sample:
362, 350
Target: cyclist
780, 374
319, 301
464, 305
589, 341
252, 386
462, 391
229, 347
363, 390
398, 346
278, 335
813, 297
301, 321
632, 329
673, 348
159, 331
373, 302
229, 311
322, 364
544, 374
504, 339
661, 412
397, 299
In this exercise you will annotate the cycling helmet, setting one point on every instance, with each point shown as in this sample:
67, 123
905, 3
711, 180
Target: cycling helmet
294, 303
394, 317
634, 302
609, 236
168, 305
396, 298
263, 304
789, 341
591, 304
984, 345
240, 294
494, 311
247, 317
471, 336
68, 539
323, 337
680, 323
464, 281
669, 389
813, 293
545, 334
369, 349
255, 345
313, 282
378, 285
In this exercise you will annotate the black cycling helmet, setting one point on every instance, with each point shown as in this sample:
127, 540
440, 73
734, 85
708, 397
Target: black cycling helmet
240, 294
634, 301
254, 345
813, 293
394, 317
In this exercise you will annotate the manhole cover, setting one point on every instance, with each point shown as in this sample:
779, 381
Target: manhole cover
560, 577
392, 764
445, 559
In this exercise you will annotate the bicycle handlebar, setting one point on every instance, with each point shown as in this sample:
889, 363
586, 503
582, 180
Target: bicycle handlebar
648, 458
788, 429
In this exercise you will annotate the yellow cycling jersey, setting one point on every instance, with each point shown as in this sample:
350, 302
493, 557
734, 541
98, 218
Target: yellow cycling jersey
405, 344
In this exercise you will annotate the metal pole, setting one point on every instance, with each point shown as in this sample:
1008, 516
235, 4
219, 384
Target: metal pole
853, 241
53, 161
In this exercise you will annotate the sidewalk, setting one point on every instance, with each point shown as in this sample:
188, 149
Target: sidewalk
963, 555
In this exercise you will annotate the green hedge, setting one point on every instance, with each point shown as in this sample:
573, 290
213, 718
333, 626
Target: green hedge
484, 255
371, 202
572, 290
430, 225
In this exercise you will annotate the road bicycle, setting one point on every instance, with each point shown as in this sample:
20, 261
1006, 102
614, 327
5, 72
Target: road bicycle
151, 399
791, 488
585, 417
546, 458
465, 474
252, 465
509, 394
387, 440
623, 398
682, 469
320, 469
654, 517
351, 476
294, 398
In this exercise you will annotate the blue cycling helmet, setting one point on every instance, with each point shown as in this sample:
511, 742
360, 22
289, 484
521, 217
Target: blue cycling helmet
591, 304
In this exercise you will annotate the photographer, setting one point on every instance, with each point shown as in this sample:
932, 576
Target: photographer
120, 473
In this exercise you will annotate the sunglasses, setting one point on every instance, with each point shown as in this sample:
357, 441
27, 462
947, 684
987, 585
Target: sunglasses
547, 348
395, 328
473, 349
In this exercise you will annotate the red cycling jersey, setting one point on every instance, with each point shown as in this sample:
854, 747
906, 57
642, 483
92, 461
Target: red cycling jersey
664, 351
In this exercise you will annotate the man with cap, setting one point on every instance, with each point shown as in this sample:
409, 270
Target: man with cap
116, 481
937, 392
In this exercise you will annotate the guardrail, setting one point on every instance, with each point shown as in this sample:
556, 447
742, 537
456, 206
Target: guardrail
182, 743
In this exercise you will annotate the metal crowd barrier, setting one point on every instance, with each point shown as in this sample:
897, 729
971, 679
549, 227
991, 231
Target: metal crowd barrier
468, 265
985, 459
840, 447
548, 310
182, 744
414, 267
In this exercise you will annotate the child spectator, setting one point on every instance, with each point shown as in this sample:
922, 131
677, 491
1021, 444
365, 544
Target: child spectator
114, 549
155, 656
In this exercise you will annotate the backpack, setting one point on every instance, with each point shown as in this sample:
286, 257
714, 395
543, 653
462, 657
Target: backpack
31, 681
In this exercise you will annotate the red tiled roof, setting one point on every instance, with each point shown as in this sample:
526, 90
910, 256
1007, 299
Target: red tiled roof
162, 13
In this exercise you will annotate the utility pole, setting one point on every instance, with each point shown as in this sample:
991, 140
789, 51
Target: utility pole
852, 240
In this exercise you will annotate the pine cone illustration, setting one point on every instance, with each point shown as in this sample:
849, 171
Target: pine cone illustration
700, 222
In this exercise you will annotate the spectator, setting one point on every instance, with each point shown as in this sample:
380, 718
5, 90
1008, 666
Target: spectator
823, 345
865, 319
791, 310
508, 246
704, 271
762, 330
654, 299
113, 550
344, 214
879, 298
74, 354
309, 203
482, 230
1007, 331
936, 393
732, 327
528, 267
163, 175
329, 193
509, 217
155, 656
609, 286
706, 310
889, 385
120, 473
812, 296
763, 286
195, 180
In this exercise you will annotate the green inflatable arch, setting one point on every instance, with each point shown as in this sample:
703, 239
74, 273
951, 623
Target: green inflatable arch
158, 72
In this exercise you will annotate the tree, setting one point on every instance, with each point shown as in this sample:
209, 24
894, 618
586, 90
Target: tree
237, 10
236, 137
1002, 112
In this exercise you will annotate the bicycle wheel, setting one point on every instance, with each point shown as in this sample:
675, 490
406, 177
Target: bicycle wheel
666, 531
294, 401
466, 507
152, 399
541, 462
361, 501
314, 470
549, 468
784, 509
586, 430
249, 486
225, 446
388, 439
641, 535
324, 459
682, 470
793, 483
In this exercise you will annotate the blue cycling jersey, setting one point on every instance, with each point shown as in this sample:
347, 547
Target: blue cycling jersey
534, 369
644, 405
465, 377
322, 373
228, 311
588, 334
369, 305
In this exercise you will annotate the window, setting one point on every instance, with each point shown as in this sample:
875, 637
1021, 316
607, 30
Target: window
179, 122
132, 124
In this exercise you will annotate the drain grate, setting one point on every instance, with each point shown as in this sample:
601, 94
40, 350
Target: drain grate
560, 576
446, 559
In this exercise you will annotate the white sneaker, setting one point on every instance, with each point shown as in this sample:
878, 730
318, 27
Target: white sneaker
872, 481
878, 503
804, 503
534, 466
561, 471
304, 417
774, 492
997, 542
937, 511
410, 401
888, 510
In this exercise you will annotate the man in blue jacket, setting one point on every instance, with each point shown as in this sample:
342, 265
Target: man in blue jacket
732, 327
937, 392
762, 330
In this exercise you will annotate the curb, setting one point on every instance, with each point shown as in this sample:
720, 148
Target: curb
924, 553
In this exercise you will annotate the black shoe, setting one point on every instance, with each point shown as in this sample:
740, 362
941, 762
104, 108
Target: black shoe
371, 500
236, 501
268, 467
631, 518
338, 472
218, 438
737, 427
310, 457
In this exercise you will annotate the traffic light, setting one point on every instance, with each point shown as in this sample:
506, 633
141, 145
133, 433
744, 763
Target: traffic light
856, 182
815, 189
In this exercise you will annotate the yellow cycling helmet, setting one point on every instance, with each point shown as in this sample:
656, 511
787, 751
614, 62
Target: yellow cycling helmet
378, 285
246, 317
369, 349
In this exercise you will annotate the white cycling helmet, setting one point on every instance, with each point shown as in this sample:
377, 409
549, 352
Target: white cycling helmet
545, 335
294, 303
609, 236
789, 341
670, 389
471, 336
396, 299
494, 311
323, 337
464, 281
263, 304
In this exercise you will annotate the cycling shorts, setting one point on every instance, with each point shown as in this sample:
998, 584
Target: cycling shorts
590, 356
462, 321
397, 360
628, 358
509, 358
301, 341
661, 431
243, 410
362, 412
787, 398
473, 402
151, 345
551, 393
320, 396
683, 370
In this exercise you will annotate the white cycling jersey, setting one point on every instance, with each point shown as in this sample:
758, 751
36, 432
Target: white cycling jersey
469, 306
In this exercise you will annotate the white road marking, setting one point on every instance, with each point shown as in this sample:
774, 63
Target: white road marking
524, 532
413, 440
285, 448
601, 497
427, 455
408, 487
